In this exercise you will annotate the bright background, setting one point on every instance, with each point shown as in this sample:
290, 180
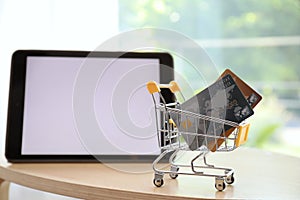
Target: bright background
258, 40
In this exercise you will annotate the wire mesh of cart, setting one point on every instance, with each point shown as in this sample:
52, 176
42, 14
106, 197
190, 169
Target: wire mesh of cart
183, 131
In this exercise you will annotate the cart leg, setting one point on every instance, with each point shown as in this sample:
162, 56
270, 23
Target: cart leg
156, 161
4, 189
192, 163
205, 162
173, 156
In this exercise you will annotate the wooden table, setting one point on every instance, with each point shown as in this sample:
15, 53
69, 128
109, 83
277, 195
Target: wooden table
258, 175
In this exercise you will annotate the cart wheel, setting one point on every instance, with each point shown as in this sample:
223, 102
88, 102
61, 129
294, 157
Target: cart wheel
158, 182
220, 186
174, 169
173, 175
229, 179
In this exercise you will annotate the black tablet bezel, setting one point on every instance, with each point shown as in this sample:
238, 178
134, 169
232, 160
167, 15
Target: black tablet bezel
16, 104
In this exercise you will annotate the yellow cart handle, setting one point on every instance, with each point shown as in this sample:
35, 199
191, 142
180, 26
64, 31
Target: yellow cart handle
242, 134
153, 87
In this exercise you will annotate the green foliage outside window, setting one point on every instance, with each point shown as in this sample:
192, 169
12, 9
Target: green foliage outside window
265, 52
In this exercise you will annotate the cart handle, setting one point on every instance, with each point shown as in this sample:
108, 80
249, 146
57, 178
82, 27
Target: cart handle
153, 87
242, 134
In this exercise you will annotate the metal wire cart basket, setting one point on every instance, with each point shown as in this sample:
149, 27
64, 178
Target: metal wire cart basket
178, 130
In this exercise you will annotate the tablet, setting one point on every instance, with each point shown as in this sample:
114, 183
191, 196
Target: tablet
73, 106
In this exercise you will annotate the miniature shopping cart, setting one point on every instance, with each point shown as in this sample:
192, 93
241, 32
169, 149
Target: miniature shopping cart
183, 131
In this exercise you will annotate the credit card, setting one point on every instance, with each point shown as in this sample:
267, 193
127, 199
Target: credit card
224, 100
250, 94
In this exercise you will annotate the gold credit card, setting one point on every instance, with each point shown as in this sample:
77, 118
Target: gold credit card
252, 97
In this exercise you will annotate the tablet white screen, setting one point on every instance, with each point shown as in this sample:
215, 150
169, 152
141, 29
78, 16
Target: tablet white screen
121, 104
